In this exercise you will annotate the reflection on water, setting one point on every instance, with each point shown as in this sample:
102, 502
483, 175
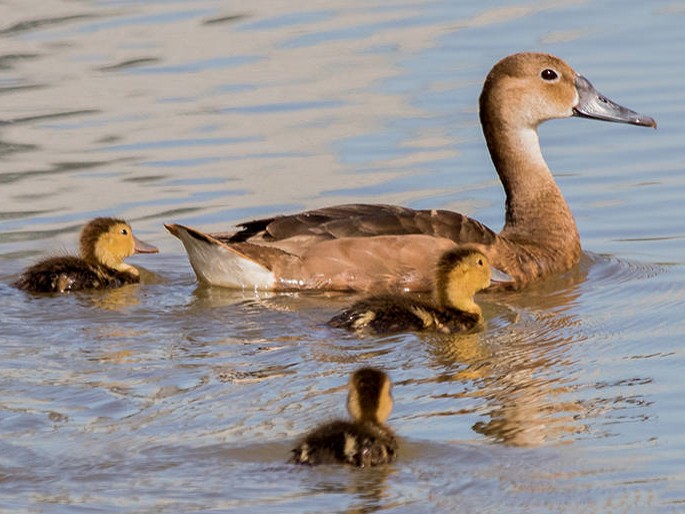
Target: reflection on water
116, 299
175, 397
366, 490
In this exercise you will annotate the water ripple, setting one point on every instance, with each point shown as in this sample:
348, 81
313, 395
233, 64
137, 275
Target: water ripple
174, 397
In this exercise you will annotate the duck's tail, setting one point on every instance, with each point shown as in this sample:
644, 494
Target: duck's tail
220, 264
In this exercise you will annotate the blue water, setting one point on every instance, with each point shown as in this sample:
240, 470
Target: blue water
171, 397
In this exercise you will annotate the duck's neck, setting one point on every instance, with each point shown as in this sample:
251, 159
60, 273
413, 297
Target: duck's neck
127, 268
536, 211
99, 256
457, 298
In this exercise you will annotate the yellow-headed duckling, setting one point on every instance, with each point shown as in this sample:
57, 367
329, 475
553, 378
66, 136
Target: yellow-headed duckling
460, 274
104, 244
364, 441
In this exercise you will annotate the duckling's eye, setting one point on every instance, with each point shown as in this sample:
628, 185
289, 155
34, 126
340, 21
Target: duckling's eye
124, 232
480, 262
549, 75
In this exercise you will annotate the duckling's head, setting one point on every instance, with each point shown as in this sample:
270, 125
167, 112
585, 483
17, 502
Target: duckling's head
369, 397
459, 275
526, 89
108, 241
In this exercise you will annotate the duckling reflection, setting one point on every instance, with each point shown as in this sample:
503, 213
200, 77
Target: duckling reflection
368, 492
116, 299
517, 373
366, 440
104, 244
459, 275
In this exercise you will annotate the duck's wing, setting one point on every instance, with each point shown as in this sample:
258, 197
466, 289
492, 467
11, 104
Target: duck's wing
362, 220
359, 247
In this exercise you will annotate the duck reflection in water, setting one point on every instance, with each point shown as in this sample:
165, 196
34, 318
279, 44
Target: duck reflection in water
516, 370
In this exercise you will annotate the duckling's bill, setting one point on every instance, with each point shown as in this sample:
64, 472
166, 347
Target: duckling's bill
593, 104
143, 247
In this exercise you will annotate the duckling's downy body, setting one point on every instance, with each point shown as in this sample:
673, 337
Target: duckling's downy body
365, 441
104, 244
459, 275
375, 248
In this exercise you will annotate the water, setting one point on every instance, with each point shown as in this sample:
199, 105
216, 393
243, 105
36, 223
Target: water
170, 397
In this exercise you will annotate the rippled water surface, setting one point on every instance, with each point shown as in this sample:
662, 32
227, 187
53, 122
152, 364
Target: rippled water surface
170, 397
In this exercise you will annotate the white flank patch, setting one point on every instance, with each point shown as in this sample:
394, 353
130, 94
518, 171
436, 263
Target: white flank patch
350, 446
426, 318
364, 319
217, 265
304, 453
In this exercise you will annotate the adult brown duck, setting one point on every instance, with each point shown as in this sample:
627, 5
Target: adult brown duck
375, 248
104, 244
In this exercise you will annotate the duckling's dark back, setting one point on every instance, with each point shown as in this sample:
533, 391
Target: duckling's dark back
345, 442
387, 314
69, 273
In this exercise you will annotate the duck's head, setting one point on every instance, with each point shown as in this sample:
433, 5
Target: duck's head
460, 274
108, 241
369, 397
526, 89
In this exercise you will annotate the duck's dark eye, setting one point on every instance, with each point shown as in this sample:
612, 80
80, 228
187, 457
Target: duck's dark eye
548, 74
124, 232
480, 262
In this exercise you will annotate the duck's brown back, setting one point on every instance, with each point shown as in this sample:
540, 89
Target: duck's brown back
361, 220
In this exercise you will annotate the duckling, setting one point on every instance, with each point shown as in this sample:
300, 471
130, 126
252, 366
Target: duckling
365, 441
460, 274
104, 244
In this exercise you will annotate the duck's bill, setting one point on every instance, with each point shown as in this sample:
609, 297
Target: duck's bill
499, 277
593, 104
143, 247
